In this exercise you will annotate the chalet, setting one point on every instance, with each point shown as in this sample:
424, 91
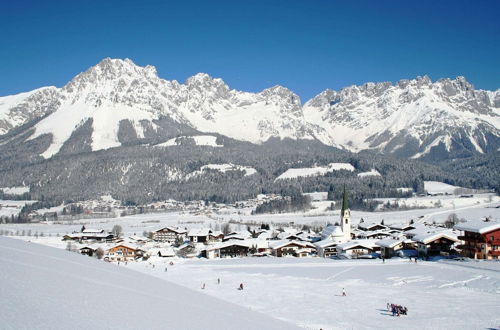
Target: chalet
169, 235
162, 252
371, 226
215, 236
481, 239
286, 248
228, 249
326, 248
123, 252
357, 248
87, 250
435, 243
90, 235
379, 234
389, 247
199, 235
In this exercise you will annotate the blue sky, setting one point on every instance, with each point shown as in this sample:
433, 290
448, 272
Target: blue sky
307, 46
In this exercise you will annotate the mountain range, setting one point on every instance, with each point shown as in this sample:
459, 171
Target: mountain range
117, 103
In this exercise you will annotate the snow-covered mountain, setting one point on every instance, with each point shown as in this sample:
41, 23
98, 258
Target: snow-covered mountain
117, 102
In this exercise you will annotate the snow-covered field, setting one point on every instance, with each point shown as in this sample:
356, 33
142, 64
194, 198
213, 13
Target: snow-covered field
435, 187
9, 208
293, 173
307, 292
46, 288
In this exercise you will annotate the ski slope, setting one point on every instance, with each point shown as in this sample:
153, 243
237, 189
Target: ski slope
47, 288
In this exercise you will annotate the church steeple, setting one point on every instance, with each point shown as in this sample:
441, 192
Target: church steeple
345, 203
345, 217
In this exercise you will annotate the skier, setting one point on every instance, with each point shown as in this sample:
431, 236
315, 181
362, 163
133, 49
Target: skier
218, 281
241, 286
203, 287
343, 292
165, 269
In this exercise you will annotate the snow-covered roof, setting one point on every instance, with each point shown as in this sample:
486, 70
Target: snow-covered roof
401, 226
388, 242
480, 227
332, 230
227, 244
93, 231
369, 225
325, 243
366, 243
165, 252
429, 237
174, 229
199, 232
285, 242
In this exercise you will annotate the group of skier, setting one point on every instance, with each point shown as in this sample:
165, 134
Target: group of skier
397, 310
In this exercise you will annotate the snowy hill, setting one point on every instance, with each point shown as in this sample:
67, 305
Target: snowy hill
117, 103
47, 288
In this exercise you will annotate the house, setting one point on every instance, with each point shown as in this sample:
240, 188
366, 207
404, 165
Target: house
90, 235
199, 235
87, 250
123, 252
435, 243
166, 252
215, 236
389, 247
229, 249
326, 248
378, 234
286, 248
371, 226
169, 235
358, 247
481, 239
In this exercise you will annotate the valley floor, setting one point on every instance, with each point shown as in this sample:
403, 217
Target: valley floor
307, 292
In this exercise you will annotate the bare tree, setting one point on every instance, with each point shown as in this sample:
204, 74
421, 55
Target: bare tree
99, 253
117, 230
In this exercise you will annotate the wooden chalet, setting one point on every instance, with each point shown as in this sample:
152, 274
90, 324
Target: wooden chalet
435, 243
229, 249
481, 239
123, 252
286, 248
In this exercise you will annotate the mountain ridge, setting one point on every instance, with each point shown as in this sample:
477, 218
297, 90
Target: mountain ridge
125, 102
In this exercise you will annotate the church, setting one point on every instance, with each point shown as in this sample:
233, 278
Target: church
332, 235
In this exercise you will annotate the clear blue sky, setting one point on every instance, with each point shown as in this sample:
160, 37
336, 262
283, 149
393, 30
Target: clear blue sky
307, 46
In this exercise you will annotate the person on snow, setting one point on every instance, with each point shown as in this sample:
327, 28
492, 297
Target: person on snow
241, 286
203, 286
343, 292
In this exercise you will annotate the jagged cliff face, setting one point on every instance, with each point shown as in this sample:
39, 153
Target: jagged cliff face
117, 102
414, 118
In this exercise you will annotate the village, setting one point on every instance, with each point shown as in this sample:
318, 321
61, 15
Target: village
478, 239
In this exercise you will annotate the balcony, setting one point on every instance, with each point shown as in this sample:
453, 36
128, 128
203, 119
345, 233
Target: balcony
472, 239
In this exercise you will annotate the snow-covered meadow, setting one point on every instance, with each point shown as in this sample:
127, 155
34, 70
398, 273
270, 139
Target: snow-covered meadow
307, 292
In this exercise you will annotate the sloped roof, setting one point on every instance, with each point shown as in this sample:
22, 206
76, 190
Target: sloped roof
285, 242
429, 237
388, 242
480, 227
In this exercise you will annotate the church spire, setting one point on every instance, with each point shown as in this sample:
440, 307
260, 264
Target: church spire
345, 203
